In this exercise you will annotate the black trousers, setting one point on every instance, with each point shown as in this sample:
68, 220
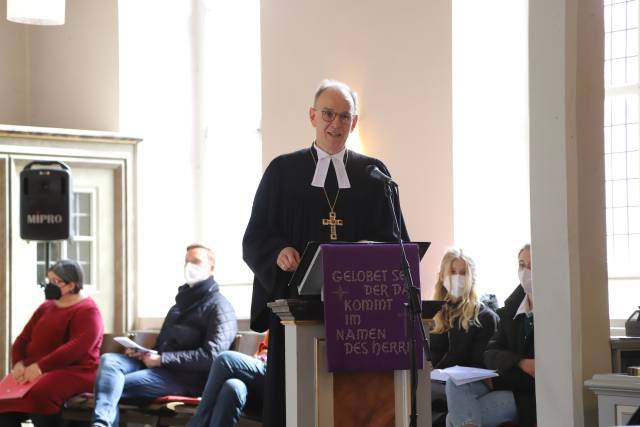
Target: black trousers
274, 407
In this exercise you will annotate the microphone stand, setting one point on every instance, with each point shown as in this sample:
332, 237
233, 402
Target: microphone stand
414, 306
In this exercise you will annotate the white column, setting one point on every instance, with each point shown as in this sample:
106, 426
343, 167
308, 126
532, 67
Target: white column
567, 207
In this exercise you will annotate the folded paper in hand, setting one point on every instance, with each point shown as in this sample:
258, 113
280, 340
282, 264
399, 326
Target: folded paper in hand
462, 374
131, 344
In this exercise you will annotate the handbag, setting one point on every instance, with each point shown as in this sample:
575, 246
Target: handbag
632, 325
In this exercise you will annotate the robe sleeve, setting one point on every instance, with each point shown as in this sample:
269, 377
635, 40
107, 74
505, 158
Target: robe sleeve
262, 243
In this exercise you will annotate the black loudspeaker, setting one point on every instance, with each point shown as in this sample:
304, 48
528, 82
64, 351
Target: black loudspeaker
45, 201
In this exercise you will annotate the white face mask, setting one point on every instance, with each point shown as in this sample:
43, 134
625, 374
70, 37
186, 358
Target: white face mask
454, 284
525, 280
193, 273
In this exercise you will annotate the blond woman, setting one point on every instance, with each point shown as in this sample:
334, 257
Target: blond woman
464, 326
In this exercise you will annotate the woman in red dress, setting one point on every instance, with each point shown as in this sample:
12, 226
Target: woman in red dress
58, 350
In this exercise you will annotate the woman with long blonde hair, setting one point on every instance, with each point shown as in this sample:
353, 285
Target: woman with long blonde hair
464, 325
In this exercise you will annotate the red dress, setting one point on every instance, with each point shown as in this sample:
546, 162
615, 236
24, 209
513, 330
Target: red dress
65, 343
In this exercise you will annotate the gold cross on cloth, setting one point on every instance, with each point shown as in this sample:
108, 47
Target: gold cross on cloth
332, 222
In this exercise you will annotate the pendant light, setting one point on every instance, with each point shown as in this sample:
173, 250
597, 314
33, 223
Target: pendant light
36, 12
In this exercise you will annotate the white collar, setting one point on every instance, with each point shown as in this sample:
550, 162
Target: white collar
322, 167
525, 307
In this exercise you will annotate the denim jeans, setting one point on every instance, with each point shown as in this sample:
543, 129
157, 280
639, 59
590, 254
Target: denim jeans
120, 376
232, 377
475, 404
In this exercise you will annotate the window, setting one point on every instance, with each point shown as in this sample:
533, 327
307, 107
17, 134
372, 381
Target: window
622, 144
622, 154
206, 128
481, 94
233, 144
81, 244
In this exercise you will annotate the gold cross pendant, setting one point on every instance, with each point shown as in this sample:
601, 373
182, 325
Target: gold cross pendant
332, 222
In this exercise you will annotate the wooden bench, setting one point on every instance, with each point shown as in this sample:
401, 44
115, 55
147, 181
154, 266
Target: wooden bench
162, 412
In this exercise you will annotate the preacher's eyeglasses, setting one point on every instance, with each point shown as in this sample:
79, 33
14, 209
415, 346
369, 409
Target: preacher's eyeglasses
329, 116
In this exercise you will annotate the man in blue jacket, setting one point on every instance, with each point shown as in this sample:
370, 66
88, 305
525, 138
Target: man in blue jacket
200, 325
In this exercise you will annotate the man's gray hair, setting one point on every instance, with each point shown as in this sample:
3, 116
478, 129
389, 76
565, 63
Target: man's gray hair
335, 84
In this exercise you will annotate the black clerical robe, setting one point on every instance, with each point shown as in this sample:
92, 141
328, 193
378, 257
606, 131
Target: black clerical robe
288, 211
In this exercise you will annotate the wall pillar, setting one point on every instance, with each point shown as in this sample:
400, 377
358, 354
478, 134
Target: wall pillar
568, 206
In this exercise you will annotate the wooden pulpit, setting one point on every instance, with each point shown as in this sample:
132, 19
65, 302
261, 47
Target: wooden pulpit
356, 374
318, 398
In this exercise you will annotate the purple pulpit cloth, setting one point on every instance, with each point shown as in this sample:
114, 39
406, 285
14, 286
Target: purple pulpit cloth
364, 312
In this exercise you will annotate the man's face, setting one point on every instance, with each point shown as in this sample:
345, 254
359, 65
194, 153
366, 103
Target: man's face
331, 136
199, 257
524, 259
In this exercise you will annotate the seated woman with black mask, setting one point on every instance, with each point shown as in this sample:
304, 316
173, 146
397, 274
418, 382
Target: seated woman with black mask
57, 351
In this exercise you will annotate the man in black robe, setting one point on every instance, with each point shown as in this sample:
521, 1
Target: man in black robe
322, 193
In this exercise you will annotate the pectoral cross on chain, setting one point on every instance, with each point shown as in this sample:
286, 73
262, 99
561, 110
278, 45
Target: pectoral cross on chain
332, 222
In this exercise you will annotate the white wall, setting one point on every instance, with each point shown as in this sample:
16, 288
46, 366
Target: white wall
490, 138
62, 76
13, 85
397, 56
73, 69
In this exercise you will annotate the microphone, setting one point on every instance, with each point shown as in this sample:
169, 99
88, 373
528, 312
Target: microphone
375, 173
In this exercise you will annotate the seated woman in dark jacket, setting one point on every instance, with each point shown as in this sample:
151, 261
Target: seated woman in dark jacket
464, 325
511, 352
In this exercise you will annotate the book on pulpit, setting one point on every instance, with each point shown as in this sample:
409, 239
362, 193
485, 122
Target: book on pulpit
462, 374
308, 277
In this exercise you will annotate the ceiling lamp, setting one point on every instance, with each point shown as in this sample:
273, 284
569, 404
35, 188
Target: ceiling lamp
36, 12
